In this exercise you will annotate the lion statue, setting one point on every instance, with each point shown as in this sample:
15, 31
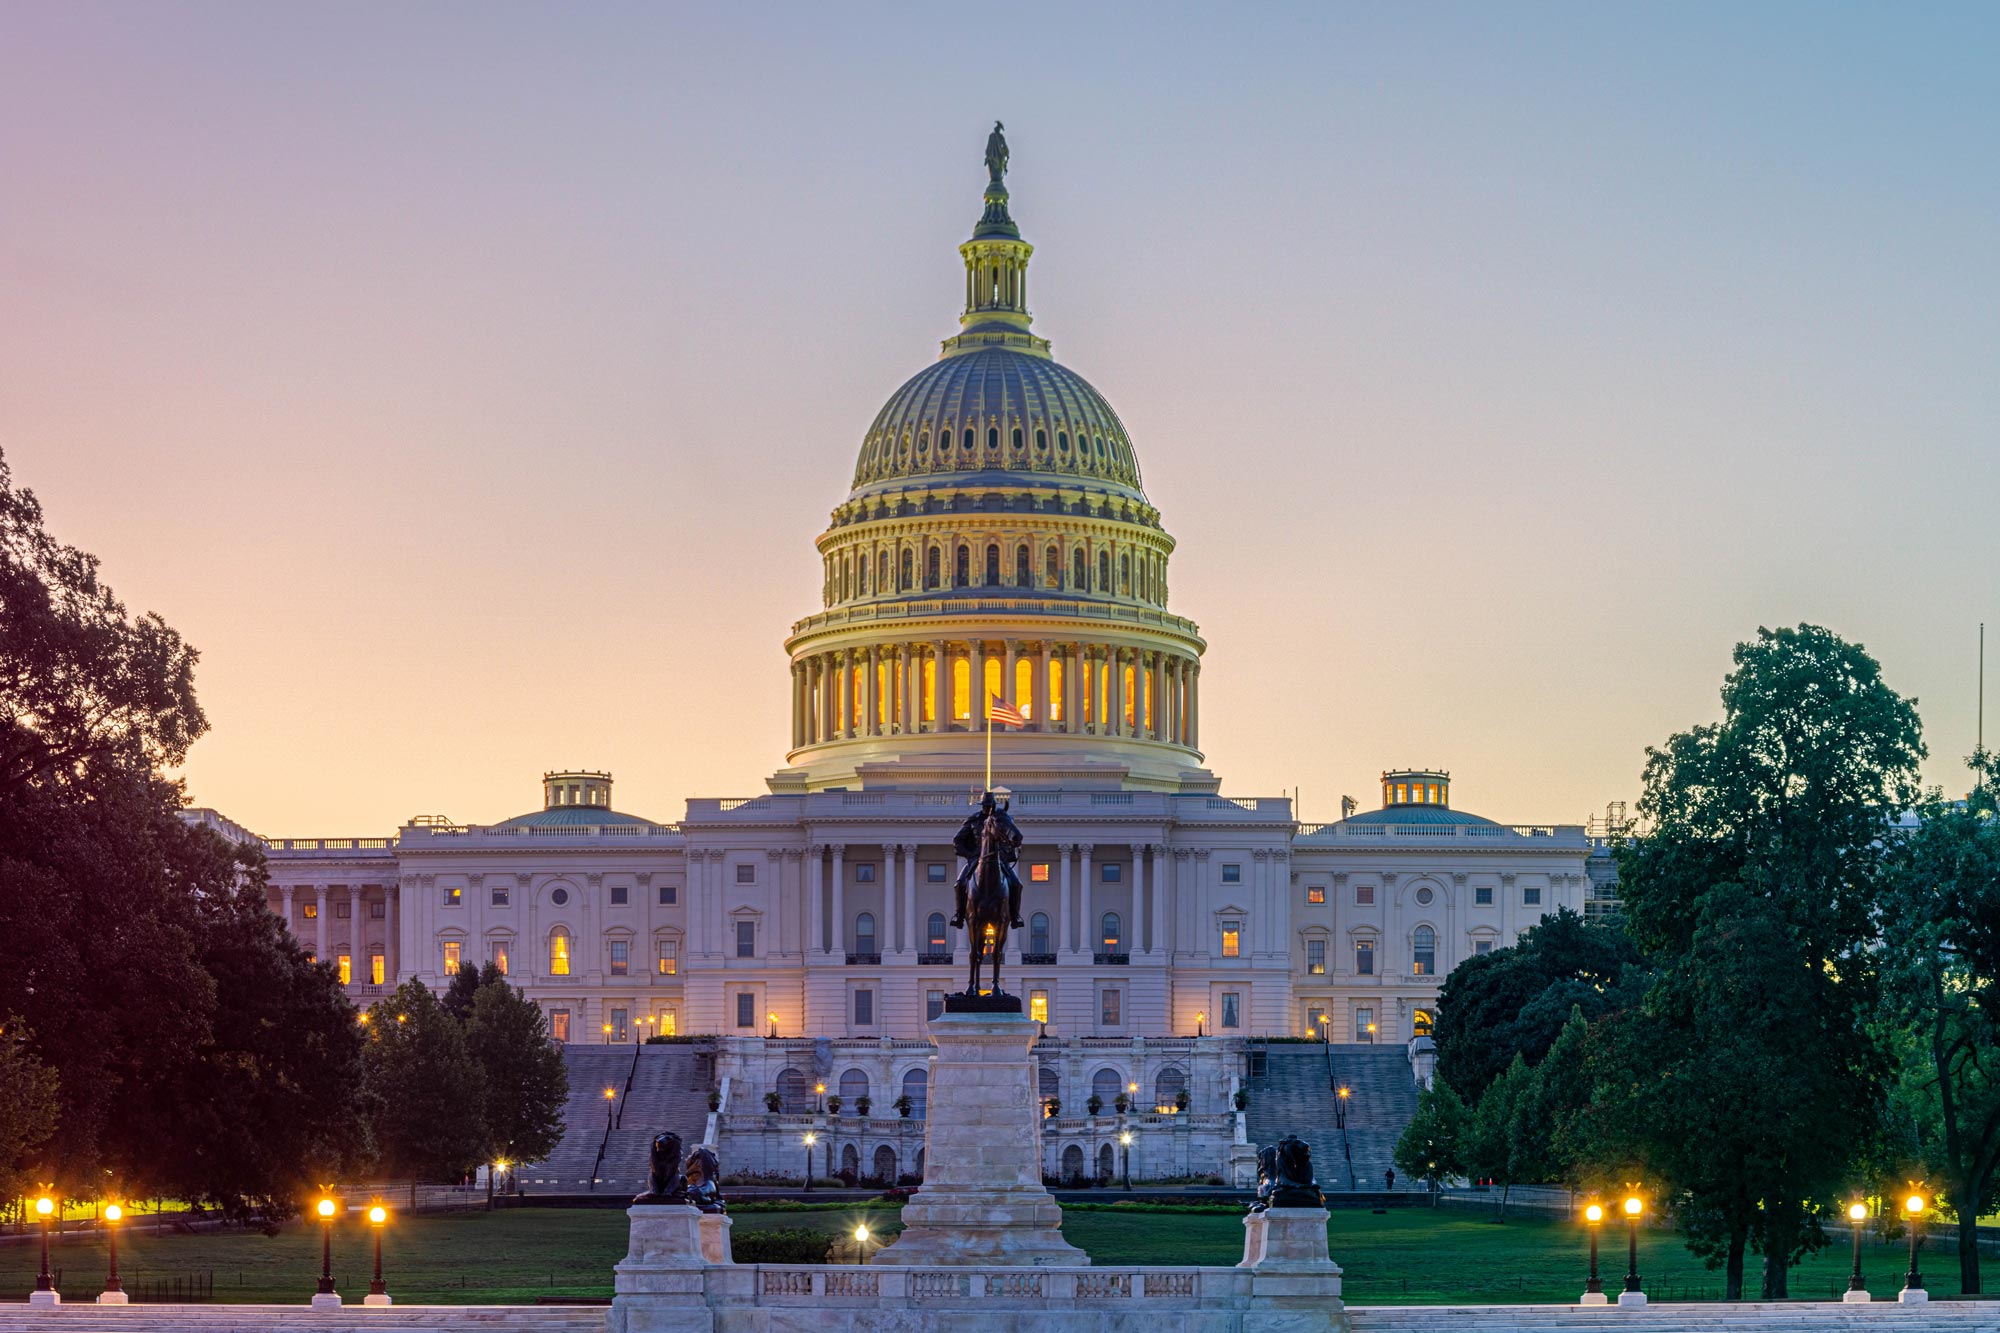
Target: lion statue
663, 1180
704, 1176
1267, 1178
1295, 1187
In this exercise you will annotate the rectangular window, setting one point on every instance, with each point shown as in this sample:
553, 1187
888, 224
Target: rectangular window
1315, 1021
1482, 895
746, 1009
454, 896
746, 873
1232, 1009
669, 1023
669, 894
1110, 873
618, 895
619, 1028
670, 958
621, 958
1316, 894
1364, 895
933, 1003
1109, 1008
312, 911
864, 873
1038, 1006
1482, 946
1316, 958
1038, 873
377, 973
1232, 874
341, 910
1532, 897
936, 874
500, 897
500, 958
558, 954
558, 1025
451, 948
1364, 1025
1364, 957
346, 969
377, 911
1232, 942
746, 939
864, 1008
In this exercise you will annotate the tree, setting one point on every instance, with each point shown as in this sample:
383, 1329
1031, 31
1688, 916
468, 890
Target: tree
1549, 1134
1514, 1001
426, 1093
1941, 950
1750, 1077
27, 1108
1488, 1144
463, 990
526, 1081
1431, 1148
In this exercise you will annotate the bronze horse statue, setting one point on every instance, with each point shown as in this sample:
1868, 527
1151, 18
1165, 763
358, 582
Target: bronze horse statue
987, 907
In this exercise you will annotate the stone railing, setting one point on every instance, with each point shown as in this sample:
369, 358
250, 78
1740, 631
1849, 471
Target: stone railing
1015, 1288
931, 608
1553, 835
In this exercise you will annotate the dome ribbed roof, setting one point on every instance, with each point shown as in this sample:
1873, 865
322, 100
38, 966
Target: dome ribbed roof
1416, 814
570, 815
1025, 412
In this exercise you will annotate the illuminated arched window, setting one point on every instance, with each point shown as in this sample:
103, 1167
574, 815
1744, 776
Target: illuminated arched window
992, 682
992, 565
939, 942
558, 952
1423, 948
1114, 932
961, 689
1055, 708
1023, 577
1024, 686
927, 705
1421, 1023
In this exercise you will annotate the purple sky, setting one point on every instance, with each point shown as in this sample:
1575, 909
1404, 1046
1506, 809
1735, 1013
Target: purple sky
469, 382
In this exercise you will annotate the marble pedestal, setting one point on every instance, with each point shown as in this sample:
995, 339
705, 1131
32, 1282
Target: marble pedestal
113, 1298
660, 1285
982, 1200
45, 1298
326, 1300
1285, 1251
1856, 1298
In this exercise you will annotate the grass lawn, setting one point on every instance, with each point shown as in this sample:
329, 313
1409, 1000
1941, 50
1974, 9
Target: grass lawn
1406, 1256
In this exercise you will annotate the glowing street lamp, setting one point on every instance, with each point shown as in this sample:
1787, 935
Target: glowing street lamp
45, 1292
772, 1018
607, 1034
492, 1174
1913, 1281
861, 1242
1593, 1288
1125, 1142
1341, 1094
819, 1095
1857, 1288
114, 1292
1200, 1018
1634, 1206
378, 1291
809, 1140
326, 1296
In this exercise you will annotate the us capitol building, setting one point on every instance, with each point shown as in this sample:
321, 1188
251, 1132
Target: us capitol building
996, 538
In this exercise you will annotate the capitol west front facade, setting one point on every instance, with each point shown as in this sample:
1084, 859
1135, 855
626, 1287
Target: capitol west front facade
996, 539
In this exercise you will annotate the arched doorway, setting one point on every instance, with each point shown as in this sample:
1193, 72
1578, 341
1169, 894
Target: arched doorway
1169, 1084
792, 1092
1105, 1085
853, 1085
1072, 1164
920, 1166
1107, 1164
850, 1163
885, 1164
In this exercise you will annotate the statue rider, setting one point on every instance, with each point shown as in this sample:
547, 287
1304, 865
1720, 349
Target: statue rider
966, 843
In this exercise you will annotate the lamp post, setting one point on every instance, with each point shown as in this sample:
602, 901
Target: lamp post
1857, 1287
819, 1098
326, 1297
1632, 1295
1913, 1281
861, 1242
809, 1140
378, 1291
1340, 1097
1593, 1287
45, 1292
114, 1291
492, 1174
607, 1034
1200, 1018
1125, 1142
772, 1017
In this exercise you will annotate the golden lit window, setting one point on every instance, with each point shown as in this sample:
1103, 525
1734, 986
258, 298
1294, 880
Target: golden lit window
928, 703
1024, 686
1038, 1006
500, 958
558, 952
346, 969
1232, 942
451, 948
312, 911
670, 961
1131, 695
669, 1023
961, 689
992, 673
1402, 794
1039, 872
376, 972
1316, 895
1055, 708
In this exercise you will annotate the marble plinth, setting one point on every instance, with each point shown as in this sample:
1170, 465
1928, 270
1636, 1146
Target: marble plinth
1632, 1300
1285, 1251
1856, 1297
660, 1285
982, 1200
45, 1298
1593, 1298
715, 1247
326, 1300
377, 1298
113, 1298
1913, 1296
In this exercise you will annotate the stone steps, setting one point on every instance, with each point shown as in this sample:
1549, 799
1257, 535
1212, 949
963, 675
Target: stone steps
1292, 1097
668, 1093
85, 1318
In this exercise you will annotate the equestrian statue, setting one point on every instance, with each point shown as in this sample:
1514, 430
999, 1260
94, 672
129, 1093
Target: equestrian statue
988, 890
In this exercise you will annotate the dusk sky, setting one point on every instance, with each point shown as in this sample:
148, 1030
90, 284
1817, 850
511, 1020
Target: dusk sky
469, 382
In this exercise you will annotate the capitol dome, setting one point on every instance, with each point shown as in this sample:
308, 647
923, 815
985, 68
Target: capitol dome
995, 543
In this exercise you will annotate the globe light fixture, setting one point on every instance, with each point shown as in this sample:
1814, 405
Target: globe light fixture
326, 1297
1593, 1287
809, 1140
1634, 1206
1125, 1142
378, 1291
1200, 1018
1857, 1288
861, 1242
45, 1283
114, 1291
1913, 1281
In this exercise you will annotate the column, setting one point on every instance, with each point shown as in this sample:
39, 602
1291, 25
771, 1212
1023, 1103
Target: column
871, 693
910, 893
815, 894
1061, 943
698, 939
1007, 673
285, 892
843, 662
913, 682
1160, 895
1044, 714
795, 705
1174, 700
1114, 704
1137, 945
940, 686
1194, 705
890, 933
319, 916
392, 925
1157, 714
1072, 688
839, 903
1260, 906
357, 961
977, 694
1086, 930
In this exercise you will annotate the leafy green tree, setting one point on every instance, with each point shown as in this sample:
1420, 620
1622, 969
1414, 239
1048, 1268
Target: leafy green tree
1432, 1146
27, 1109
1488, 1146
1752, 1078
1548, 1138
1941, 951
1514, 1001
526, 1081
462, 991
426, 1094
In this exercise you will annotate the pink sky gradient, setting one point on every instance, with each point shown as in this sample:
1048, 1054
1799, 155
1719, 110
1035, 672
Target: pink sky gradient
469, 382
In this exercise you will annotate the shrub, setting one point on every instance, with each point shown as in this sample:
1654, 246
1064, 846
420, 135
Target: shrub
715, 1100
1052, 1107
1181, 1100
772, 1101
833, 1105
903, 1105
1122, 1103
1094, 1104
863, 1104
1242, 1099
780, 1245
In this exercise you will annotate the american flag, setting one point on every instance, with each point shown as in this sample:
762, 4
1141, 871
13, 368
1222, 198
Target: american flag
1001, 711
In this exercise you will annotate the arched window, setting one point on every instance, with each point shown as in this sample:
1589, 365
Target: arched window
1048, 1082
1107, 1163
1041, 440
885, 1165
1125, 574
992, 437
992, 565
558, 952
881, 572
916, 1087
853, 1084
1062, 441
1104, 571
792, 1092
1072, 1164
861, 577
1051, 567
850, 1162
1023, 577
1038, 933
934, 927
1113, 932
970, 439
909, 560
964, 570
1017, 439
932, 574
1168, 1084
961, 689
864, 933
1423, 949
1024, 686
1105, 1085
1077, 578
923, 444
1421, 1023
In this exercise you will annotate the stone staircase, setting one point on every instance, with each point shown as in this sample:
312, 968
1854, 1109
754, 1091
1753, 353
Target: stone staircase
669, 1092
1292, 1097
1706, 1317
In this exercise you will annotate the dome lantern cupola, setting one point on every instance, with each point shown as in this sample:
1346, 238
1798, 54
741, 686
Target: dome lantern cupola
1416, 786
996, 271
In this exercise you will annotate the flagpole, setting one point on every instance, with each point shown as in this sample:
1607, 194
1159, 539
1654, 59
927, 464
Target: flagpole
989, 739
